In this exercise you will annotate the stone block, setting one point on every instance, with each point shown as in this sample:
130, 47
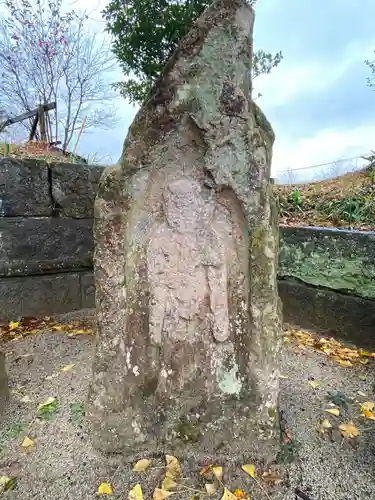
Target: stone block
87, 290
24, 188
44, 245
338, 259
349, 318
74, 188
39, 295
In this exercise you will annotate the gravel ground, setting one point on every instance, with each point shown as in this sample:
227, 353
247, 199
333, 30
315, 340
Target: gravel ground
63, 465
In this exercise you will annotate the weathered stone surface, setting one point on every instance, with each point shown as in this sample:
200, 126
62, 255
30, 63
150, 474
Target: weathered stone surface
24, 188
87, 290
336, 314
4, 390
74, 188
40, 295
332, 258
40, 245
185, 262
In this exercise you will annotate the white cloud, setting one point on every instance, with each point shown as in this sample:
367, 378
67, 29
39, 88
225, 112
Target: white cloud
289, 81
326, 146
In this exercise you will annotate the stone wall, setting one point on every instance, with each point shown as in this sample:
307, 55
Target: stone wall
326, 276
327, 281
46, 245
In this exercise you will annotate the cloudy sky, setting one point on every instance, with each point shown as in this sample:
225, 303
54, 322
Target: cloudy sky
317, 99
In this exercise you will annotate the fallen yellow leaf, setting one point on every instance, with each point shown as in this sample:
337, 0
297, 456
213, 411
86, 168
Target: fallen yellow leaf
349, 430
105, 489
326, 424
142, 465
362, 377
47, 402
249, 469
27, 443
80, 332
210, 488
334, 411
168, 484
364, 353
368, 405
283, 377
136, 493
364, 361
13, 325
368, 414
241, 494
58, 328
67, 368
228, 495
173, 466
4, 480
218, 472
160, 494
314, 383
343, 362
367, 410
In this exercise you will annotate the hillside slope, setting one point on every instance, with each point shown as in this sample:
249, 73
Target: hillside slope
347, 201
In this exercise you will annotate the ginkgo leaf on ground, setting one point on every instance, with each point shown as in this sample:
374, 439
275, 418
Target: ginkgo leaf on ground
27, 442
136, 493
211, 488
67, 368
241, 494
228, 495
13, 325
367, 410
343, 362
333, 411
326, 424
142, 465
218, 472
7, 483
49, 401
349, 430
314, 383
160, 494
168, 484
4, 480
105, 489
368, 405
173, 466
249, 469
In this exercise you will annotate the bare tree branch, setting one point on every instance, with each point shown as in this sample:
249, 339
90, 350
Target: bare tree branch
48, 54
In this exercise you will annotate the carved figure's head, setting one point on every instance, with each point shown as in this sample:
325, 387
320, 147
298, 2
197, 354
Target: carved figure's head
183, 203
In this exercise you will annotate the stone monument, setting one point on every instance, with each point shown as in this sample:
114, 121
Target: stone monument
189, 323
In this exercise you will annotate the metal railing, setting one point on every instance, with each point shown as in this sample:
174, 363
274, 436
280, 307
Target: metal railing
324, 171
